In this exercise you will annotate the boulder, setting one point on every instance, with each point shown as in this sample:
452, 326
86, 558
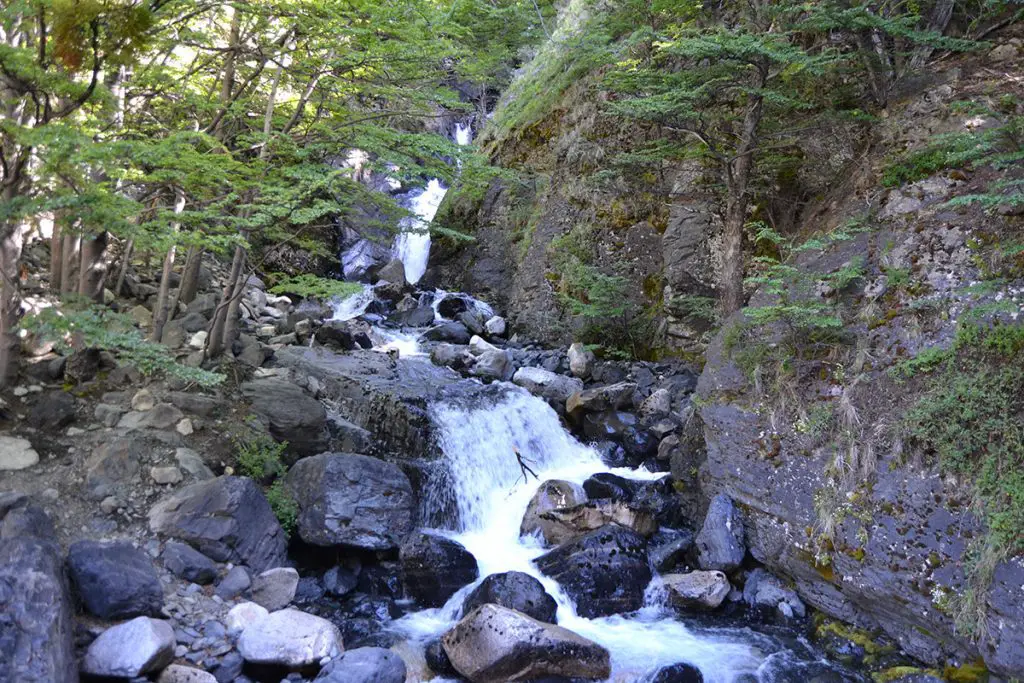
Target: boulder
339, 581
131, 649
161, 416
275, 588
243, 614
604, 572
112, 467
668, 547
767, 594
495, 326
658, 404
353, 500
608, 397
364, 665
495, 364
16, 453
452, 332
551, 495
114, 580
437, 660
291, 639
420, 316
291, 414
514, 590
478, 347
234, 583
720, 543
189, 564
176, 673
36, 620
451, 306
228, 519
548, 385
52, 411
564, 524
677, 673
581, 361
346, 335
657, 496
449, 356
697, 590
394, 272
434, 568
494, 643
27, 520
472, 321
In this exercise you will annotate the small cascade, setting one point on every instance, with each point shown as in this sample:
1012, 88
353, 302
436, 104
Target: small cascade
354, 305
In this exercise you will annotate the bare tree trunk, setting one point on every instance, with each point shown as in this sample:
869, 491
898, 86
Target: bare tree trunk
93, 269
56, 257
228, 81
160, 312
12, 237
215, 339
737, 179
189, 280
232, 316
69, 262
126, 259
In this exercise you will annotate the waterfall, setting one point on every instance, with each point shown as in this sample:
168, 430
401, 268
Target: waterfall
353, 305
412, 245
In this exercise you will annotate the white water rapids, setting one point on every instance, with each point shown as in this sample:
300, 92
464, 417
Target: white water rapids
491, 496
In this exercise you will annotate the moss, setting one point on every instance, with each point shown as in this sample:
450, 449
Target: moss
972, 672
899, 672
865, 640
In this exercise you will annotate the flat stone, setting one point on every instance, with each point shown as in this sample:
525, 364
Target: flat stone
131, 649
16, 453
165, 475
290, 638
161, 416
275, 588
176, 673
143, 400
704, 590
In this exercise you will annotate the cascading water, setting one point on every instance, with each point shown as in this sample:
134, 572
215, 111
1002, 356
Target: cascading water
353, 305
488, 489
412, 245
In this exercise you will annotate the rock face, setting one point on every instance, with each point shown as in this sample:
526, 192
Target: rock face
364, 665
352, 500
227, 519
564, 524
604, 572
551, 495
291, 414
434, 568
114, 580
720, 543
131, 649
35, 613
697, 590
514, 590
548, 385
291, 639
494, 643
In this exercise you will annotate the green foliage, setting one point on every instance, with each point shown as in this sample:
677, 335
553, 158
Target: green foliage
309, 286
260, 457
284, 506
73, 327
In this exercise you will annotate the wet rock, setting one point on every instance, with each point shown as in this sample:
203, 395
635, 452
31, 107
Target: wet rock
766, 593
189, 564
131, 649
581, 361
514, 590
52, 411
564, 524
16, 453
609, 397
548, 385
227, 519
604, 572
452, 332
720, 543
393, 271
451, 306
354, 500
608, 485
639, 443
697, 590
450, 356
495, 643
551, 495
234, 583
437, 659
114, 580
112, 467
176, 673
668, 547
291, 639
678, 673
434, 568
608, 424
346, 335
291, 414
421, 316
364, 665
495, 364
36, 621
339, 581
275, 588
472, 321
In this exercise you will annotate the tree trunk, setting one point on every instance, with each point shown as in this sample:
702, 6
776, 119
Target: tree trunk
189, 279
160, 312
126, 259
215, 340
12, 237
232, 316
56, 257
737, 179
93, 269
69, 262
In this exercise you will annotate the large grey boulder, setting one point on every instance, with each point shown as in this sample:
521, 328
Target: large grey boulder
551, 495
493, 364
720, 543
131, 649
514, 590
598, 399
290, 413
494, 643
697, 590
353, 500
36, 622
227, 519
291, 639
605, 572
548, 385
434, 568
581, 360
364, 665
114, 580
565, 524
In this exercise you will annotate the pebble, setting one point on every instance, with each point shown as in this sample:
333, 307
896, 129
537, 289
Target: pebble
165, 475
143, 400
185, 427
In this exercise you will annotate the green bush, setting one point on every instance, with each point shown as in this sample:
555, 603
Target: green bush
260, 457
284, 506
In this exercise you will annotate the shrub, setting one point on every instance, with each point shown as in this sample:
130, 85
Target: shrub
260, 457
284, 506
